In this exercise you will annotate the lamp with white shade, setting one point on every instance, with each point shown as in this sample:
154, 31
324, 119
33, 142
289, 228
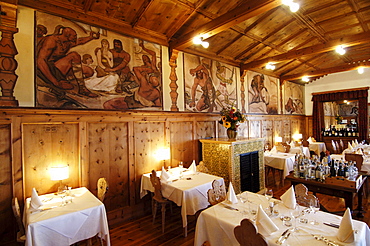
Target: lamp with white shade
59, 173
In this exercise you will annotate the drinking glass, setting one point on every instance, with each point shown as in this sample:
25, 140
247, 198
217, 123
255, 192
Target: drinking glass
314, 206
62, 195
243, 200
181, 165
268, 194
295, 214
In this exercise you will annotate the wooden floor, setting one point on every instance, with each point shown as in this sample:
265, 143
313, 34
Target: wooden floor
143, 232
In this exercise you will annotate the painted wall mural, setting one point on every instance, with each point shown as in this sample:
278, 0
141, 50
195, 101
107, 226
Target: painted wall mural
209, 85
293, 98
81, 66
262, 93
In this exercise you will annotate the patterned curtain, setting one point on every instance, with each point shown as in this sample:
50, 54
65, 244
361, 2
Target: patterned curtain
318, 111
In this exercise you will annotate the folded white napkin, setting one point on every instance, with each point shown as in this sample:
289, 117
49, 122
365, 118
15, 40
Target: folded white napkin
193, 167
350, 146
267, 152
35, 201
230, 196
292, 144
346, 233
164, 175
273, 150
288, 198
264, 224
356, 142
310, 140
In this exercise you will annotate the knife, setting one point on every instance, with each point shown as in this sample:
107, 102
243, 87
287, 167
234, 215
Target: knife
280, 239
284, 238
331, 224
229, 207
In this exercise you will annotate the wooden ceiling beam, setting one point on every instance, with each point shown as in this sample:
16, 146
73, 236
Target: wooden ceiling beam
241, 13
352, 40
320, 72
140, 12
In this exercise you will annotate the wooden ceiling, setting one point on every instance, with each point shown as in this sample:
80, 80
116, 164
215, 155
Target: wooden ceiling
245, 33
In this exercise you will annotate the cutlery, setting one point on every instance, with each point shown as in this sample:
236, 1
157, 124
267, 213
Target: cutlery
331, 224
285, 238
279, 241
229, 207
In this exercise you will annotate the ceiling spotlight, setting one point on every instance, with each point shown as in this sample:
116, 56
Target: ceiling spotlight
197, 40
270, 66
360, 70
340, 50
294, 7
305, 79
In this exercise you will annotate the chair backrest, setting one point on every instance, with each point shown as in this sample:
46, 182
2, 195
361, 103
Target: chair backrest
359, 159
305, 143
202, 167
334, 147
287, 147
302, 196
102, 188
156, 182
217, 194
246, 234
17, 215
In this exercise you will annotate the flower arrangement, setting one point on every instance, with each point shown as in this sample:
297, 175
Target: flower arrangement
231, 118
338, 118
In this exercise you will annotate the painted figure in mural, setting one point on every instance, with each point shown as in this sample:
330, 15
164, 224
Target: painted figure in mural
259, 91
55, 63
294, 106
104, 58
120, 66
41, 32
204, 81
92, 81
225, 80
149, 79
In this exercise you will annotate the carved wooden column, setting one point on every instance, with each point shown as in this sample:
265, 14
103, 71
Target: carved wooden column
173, 77
8, 64
242, 90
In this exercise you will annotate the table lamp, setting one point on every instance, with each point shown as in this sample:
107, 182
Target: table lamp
297, 137
278, 140
59, 173
163, 155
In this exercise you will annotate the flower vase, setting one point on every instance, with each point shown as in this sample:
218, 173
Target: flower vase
231, 134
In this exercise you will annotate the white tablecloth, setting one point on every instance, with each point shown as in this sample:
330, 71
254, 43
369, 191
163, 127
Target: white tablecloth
317, 147
300, 150
190, 194
281, 161
216, 225
81, 219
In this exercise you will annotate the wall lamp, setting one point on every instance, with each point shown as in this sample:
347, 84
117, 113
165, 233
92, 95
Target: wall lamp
199, 40
361, 70
305, 79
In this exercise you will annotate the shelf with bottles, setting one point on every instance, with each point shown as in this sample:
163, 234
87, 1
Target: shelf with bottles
344, 130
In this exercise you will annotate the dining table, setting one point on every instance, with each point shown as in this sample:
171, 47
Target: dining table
216, 224
300, 150
185, 188
65, 221
317, 147
283, 162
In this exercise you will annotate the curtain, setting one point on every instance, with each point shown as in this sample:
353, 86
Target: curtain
318, 111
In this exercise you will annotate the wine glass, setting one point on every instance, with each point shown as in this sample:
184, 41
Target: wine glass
296, 212
314, 206
268, 194
243, 198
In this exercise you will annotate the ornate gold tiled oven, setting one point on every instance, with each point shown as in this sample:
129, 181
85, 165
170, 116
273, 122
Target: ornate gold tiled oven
222, 158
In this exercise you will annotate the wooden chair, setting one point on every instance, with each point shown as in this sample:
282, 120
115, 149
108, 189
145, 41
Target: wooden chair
305, 143
334, 146
202, 167
359, 159
246, 234
217, 194
302, 196
21, 236
158, 198
102, 188
287, 147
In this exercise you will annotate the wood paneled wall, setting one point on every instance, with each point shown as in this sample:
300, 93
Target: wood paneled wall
113, 144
